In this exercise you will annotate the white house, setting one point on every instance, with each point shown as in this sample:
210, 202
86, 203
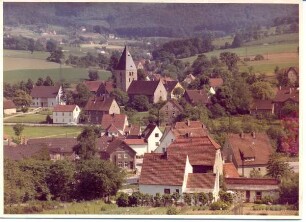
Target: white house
47, 96
9, 107
139, 145
152, 136
66, 114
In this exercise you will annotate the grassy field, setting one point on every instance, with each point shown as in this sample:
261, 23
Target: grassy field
31, 118
45, 131
25, 54
71, 75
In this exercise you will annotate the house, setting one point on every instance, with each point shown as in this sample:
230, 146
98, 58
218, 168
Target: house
105, 89
66, 114
194, 128
132, 131
252, 189
93, 86
139, 145
189, 78
259, 106
47, 96
170, 88
283, 97
214, 84
153, 90
120, 153
159, 77
248, 152
197, 97
168, 173
96, 107
114, 124
9, 107
152, 135
125, 71
170, 111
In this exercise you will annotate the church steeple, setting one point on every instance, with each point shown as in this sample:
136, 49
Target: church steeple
125, 71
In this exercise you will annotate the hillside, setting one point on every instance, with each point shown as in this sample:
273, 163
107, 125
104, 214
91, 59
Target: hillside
147, 19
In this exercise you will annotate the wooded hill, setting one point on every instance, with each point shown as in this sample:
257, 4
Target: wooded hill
147, 19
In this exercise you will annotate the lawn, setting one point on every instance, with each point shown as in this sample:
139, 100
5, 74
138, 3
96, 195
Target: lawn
71, 75
30, 118
45, 131
25, 54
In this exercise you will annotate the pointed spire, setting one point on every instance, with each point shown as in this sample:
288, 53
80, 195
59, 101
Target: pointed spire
126, 60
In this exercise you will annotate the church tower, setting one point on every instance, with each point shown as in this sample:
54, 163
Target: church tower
125, 71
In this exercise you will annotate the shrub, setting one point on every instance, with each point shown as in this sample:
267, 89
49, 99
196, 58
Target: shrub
246, 59
123, 200
219, 205
172, 211
24, 109
259, 57
268, 199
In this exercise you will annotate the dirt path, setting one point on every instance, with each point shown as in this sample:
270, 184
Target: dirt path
22, 114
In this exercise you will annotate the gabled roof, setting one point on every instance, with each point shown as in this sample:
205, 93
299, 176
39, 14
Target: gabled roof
8, 104
201, 180
285, 94
135, 141
93, 86
170, 85
62, 145
230, 171
189, 125
160, 169
141, 87
197, 96
21, 151
64, 108
215, 82
106, 87
174, 104
126, 61
133, 130
258, 148
259, 104
148, 130
113, 122
200, 150
251, 181
100, 103
45, 91
118, 144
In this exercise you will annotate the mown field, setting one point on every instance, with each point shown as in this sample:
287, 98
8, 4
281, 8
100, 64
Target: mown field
45, 131
30, 118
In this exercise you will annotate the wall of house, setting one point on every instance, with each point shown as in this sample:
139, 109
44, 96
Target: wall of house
123, 158
140, 149
167, 140
247, 170
154, 189
160, 93
218, 166
9, 111
124, 78
114, 109
240, 195
169, 113
153, 141
66, 117
188, 169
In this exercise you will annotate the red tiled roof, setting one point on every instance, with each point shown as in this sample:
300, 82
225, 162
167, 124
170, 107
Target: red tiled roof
64, 108
197, 97
115, 120
133, 130
118, 143
157, 169
106, 88
215, 82
201, 180
251, 181
285, 94
8, 104
141, 87
260, 148
259, 104
100, 103
200, 150
230, 171
93, 86
45, 91
135, 141
189, 124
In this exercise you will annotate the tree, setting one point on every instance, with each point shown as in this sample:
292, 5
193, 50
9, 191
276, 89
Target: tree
254, 173
178, 92
56, 56
49, 120
237, 42
123, 200
157, 199
289, 190
86, 147
140, 103
82, 96
262, 90
187, 198
51, 45
120, 96
259, 57
277, 166
22, 98
141, 75
48, 81
203, 198
93, 75
230, 59
40, 82
60, 180
29, 85
135, 199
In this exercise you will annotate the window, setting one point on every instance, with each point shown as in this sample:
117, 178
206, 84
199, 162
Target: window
258, 169
156, 143
177, 190
129, 80
56, 113
126, 164
125, 155
164, 149
120, 164
166, 191
258, 195
119, 156
69, 114
63, 113
156, 134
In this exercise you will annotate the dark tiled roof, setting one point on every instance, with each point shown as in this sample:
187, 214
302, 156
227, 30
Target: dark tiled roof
285, 94
22, 151
189, 125
93, 86
215, 82
100, 103
259, 104
170, 85
141, 87
260, 148
148, 130
8, 104
64, 108
126, 61
113, 120
63, 145
118, 143
105, 88
174, 103
45, 91
197, 97
200, 150
157, 169
230, 171
201, 180
251, 181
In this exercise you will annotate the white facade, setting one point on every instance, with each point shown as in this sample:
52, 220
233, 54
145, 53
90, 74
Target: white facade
218, 166
246, 170
140, 149
67, 117
154, 139
165, 142
9, 111
48, 102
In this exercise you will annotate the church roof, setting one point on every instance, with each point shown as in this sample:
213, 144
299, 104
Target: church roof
126, 61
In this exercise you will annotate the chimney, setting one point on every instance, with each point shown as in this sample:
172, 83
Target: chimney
254, 135
188, 122
290, 90
241, 135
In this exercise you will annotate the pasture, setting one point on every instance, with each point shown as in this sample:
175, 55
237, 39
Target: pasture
29, 118
25, 54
